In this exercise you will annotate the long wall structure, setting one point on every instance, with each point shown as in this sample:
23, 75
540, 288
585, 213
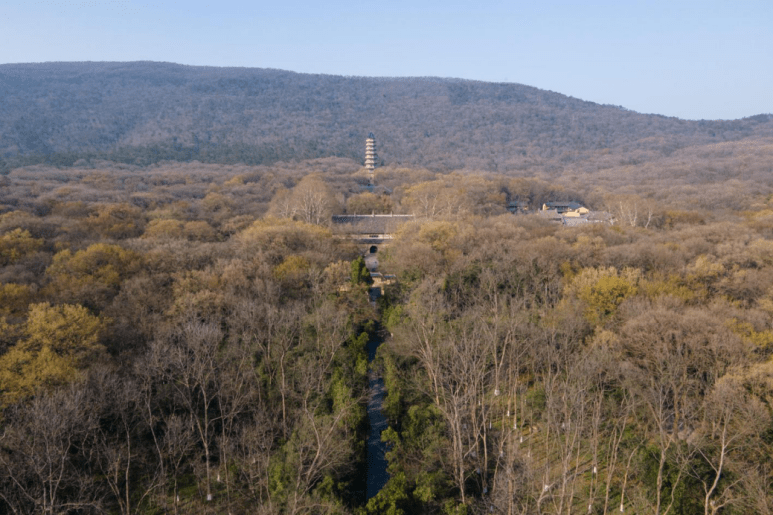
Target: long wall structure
369, 228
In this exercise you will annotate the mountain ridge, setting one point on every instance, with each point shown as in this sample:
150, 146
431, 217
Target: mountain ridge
262, 115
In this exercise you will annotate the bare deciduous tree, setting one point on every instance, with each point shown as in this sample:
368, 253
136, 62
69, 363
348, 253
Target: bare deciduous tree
45, 446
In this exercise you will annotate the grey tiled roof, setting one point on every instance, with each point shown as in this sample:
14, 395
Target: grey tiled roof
369, 224
563, 207
574, 221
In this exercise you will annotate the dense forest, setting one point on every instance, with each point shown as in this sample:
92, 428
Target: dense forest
190, 338
143, 113
184, 330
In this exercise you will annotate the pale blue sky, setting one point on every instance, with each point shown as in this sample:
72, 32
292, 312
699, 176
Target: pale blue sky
692, 59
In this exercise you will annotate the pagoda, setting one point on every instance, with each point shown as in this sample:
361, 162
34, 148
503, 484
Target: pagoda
370, 156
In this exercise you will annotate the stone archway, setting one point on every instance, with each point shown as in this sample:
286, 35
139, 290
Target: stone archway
373, 249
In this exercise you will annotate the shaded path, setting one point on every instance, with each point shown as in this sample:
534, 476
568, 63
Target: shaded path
377, 464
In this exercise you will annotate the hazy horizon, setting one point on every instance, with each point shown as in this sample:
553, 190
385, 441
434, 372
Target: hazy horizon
692, 60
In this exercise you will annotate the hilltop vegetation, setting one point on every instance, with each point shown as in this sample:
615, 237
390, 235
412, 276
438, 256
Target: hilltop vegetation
144, 112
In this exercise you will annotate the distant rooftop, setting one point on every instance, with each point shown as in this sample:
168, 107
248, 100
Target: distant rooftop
563, 206
369, 224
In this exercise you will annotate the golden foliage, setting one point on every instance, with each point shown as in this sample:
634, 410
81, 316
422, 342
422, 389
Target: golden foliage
14, 299
92, 275
673, 286
58, 342
117, 221
276, 238
292, 268
197, 293
603, 290
762, 340
16, 244
199, 231
366, 203
164, 228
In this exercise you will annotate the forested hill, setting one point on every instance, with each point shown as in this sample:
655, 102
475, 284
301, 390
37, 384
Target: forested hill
145, 111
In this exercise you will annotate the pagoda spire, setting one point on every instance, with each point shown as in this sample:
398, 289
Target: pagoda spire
371, 156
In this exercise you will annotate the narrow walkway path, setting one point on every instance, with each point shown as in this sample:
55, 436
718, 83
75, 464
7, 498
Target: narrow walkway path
377, 463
